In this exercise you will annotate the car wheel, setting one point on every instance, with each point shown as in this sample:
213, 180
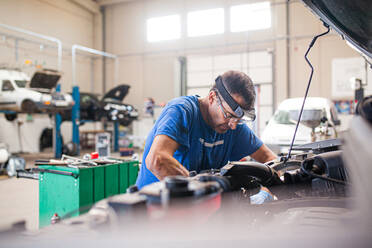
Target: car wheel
11, 117
28, 106
46, 139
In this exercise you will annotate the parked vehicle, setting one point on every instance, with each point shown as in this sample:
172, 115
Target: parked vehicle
280, 128
110, 107
21, 94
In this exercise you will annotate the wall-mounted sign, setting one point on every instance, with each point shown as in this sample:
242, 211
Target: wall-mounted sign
343, 70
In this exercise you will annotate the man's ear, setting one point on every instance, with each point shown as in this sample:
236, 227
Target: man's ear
211, 96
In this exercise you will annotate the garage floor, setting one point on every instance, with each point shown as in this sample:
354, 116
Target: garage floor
20, 196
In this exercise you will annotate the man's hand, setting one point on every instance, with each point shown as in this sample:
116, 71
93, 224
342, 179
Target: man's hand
160, 160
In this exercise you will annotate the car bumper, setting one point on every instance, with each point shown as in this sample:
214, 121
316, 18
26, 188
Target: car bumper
54, 106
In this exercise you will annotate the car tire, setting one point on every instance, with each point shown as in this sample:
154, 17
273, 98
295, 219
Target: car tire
11, 117
28, 106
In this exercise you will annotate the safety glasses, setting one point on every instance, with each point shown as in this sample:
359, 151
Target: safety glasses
239, 113
249, 115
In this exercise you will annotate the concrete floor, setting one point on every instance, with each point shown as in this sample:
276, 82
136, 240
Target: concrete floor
20, 196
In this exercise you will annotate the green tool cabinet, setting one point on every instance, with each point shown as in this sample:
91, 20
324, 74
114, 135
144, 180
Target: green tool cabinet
75, 188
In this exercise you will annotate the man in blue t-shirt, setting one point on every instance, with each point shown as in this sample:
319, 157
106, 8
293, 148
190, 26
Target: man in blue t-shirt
195, 134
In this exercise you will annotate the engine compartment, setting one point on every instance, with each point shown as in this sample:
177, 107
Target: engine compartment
299, 185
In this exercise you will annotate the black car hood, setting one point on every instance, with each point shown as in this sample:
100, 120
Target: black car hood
118, 93
45, 79
350, 18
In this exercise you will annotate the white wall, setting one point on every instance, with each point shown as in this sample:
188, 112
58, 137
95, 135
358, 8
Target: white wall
149, 67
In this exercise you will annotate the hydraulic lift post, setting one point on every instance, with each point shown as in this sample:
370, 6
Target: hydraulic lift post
57, 131
75, 114
116, 136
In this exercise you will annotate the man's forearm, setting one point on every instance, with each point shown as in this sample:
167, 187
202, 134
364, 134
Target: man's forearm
263, 154
163, 165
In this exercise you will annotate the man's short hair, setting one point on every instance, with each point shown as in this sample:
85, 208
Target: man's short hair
237, 82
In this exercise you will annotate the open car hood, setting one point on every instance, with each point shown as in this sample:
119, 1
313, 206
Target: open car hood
117, 93
45, 79
352, 19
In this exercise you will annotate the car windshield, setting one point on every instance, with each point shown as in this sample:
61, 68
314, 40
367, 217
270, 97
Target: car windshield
21, 83
283, 117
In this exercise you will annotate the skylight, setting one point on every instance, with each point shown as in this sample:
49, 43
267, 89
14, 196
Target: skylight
205, 22
163, 28
248, 17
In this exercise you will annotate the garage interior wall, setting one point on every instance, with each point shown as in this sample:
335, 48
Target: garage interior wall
66, 20
72, 22
150, 67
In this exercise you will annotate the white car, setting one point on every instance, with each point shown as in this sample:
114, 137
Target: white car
15, 96
279, 131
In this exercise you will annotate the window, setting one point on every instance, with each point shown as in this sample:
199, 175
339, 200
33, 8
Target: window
250, 17
7, 86
21, 83
205, 22
163, 28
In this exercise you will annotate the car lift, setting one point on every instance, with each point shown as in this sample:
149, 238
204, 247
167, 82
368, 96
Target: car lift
57, 138
75, 113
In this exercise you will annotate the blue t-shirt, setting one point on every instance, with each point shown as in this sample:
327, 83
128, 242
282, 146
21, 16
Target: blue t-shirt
200, 147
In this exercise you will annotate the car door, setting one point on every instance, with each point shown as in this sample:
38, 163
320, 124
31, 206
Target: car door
7, 95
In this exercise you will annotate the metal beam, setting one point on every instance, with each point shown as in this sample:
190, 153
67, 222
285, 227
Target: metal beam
76, 47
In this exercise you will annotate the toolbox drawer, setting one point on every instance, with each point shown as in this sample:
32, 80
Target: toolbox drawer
76, 189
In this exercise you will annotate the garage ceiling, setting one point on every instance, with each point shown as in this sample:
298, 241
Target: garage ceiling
110, 2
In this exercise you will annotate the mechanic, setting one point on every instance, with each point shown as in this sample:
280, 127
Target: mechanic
195, 134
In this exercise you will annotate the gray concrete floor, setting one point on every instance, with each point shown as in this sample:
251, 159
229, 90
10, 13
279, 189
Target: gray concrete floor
20, 197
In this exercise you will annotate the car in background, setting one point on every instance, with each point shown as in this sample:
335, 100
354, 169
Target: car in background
109, 107
36, 98
280, 128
